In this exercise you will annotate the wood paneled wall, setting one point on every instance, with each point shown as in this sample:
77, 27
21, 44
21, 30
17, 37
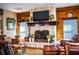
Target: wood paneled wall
21, 17
62, 14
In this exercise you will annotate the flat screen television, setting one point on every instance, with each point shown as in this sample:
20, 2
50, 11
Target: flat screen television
41, 16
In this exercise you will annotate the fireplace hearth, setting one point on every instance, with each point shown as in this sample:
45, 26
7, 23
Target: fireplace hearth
41, 36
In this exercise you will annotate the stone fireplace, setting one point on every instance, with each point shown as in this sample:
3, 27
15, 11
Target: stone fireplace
40, 31
40, 26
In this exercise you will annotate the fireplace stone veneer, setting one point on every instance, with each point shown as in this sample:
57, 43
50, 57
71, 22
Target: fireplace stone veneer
51, 29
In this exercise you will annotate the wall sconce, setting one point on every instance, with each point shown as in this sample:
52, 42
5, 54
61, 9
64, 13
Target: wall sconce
51, 17
70, 15
30, 19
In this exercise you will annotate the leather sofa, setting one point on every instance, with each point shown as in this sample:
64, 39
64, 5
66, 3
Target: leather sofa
72, 48
50, 50
54, 50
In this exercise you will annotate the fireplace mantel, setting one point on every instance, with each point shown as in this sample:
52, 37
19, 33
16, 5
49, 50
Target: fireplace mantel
42, 23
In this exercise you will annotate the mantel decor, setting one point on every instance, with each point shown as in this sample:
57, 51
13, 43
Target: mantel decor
51, 17
10, 23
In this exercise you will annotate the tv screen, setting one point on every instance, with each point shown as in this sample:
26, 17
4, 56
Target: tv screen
41, 16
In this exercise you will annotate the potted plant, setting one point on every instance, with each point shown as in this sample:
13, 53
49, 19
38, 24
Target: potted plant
52, 38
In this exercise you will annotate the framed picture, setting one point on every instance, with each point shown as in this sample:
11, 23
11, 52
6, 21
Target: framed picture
10, 23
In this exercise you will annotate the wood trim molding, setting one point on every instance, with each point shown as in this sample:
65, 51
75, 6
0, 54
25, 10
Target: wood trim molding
69, 18
62, 13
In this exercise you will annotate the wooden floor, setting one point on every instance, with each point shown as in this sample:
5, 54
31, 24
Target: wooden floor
31, 51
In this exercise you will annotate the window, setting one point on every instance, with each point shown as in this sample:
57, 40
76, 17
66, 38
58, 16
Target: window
23, 29
70, 29
67, 27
